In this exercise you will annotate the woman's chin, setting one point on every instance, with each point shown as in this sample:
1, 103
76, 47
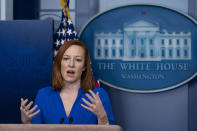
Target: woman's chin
70, 80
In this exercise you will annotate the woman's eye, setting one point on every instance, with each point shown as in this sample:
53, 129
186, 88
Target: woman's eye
79, 60
65, 58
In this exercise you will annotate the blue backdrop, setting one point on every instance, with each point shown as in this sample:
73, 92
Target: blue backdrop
26, 63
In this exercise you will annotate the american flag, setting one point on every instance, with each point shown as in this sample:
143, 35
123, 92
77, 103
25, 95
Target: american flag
66, 30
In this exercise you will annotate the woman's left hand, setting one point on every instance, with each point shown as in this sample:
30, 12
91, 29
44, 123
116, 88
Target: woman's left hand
96, 107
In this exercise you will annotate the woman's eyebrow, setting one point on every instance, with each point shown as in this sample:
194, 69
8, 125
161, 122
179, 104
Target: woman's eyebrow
78, 56
74, 56
65, 55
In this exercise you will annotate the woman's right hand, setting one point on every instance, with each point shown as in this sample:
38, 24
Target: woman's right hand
27, 112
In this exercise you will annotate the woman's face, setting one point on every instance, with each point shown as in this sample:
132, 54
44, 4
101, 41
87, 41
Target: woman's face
72, 64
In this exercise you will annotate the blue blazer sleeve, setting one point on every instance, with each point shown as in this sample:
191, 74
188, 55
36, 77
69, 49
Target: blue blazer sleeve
38, 119
107, 105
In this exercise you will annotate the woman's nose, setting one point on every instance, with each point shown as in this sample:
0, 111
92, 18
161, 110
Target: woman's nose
71, 63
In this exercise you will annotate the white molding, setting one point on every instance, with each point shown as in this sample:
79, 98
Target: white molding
0, 9
6, 10
3, 4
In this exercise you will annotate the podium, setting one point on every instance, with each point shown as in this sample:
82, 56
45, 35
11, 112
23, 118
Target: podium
58, 127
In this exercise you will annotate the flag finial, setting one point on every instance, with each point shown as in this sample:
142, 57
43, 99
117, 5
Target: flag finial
64, 5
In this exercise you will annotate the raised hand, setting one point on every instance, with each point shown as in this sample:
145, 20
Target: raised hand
96, 107
27, 112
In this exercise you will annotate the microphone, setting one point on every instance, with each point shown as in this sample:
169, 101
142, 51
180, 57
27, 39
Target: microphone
70, 120
62, 120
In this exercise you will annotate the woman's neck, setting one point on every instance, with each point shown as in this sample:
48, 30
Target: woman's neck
70, 87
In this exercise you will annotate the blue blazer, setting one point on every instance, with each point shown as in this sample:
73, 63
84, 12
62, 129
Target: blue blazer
52, 109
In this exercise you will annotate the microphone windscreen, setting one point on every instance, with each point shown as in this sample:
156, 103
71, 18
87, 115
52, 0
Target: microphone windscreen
61, 120
70, 120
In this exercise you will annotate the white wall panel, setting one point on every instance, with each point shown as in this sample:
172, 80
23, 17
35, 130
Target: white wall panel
176, 4
6, 9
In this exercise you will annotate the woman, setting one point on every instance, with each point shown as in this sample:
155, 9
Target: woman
73, 97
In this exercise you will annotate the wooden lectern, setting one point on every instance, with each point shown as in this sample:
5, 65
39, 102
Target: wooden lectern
58, 127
